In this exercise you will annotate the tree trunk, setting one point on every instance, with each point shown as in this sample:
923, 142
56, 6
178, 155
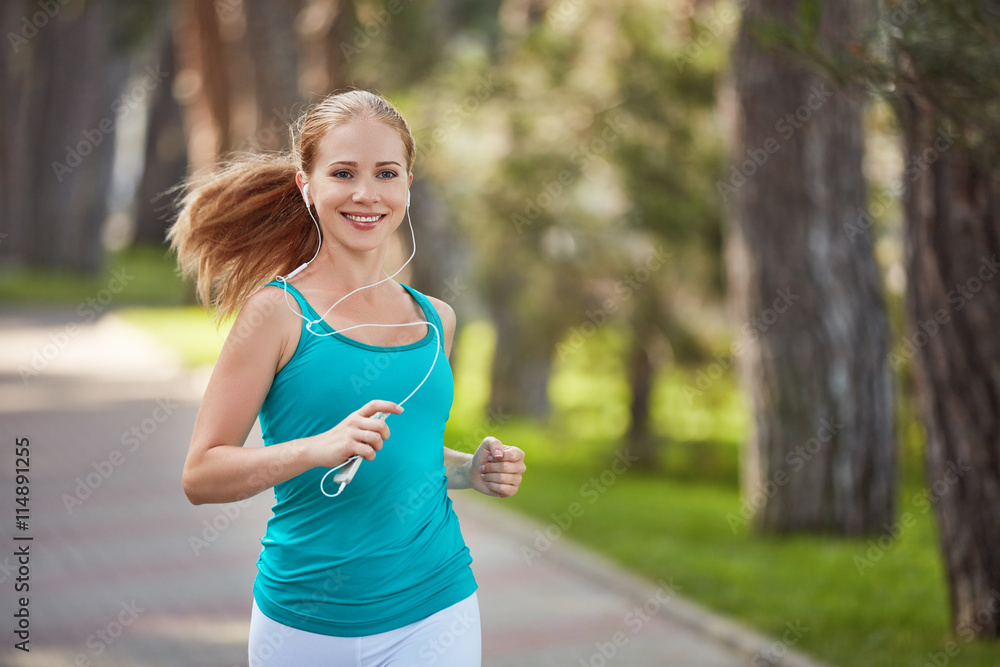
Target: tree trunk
204, 85
640, 441
165, 157
440, 265
522, 363
813, 339
59, 136
15, 92
274, 48
952, 206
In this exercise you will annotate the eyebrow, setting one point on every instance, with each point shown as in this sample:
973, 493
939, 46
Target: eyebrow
355, 164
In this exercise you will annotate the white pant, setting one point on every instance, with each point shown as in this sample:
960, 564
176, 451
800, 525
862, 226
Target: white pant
450, 638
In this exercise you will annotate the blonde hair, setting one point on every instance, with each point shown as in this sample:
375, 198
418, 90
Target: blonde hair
247, 222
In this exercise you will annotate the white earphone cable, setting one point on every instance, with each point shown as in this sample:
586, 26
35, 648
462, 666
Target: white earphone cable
310, 323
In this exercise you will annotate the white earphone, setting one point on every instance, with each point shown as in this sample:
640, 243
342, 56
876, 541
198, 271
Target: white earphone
350, 466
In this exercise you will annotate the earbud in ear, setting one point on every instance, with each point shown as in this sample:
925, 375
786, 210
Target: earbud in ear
407, 198
305, 194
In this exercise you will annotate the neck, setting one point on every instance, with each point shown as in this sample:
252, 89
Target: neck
340, 271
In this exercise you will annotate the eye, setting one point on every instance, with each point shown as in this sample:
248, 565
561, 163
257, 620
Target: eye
387, 174
343, 173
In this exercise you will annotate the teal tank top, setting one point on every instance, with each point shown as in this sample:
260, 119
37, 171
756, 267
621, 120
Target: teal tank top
387, 551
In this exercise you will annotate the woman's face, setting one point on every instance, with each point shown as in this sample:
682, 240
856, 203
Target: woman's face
359, 183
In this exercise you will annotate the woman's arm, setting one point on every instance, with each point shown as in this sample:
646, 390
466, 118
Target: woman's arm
218, 468
495, 469
458, 468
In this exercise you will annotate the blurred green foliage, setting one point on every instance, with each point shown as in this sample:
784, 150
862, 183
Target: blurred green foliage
138, 275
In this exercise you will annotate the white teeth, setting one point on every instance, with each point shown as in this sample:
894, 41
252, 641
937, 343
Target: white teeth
357, 218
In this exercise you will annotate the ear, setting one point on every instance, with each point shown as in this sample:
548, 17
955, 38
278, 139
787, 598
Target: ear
301, 181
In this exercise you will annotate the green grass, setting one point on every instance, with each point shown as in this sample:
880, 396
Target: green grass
881, 608
673, 525
144, 275
190, 330
891, 612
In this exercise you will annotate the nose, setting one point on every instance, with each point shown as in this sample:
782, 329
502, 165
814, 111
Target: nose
366, 192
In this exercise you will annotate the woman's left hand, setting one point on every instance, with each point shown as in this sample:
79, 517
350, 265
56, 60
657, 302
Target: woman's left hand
496, 468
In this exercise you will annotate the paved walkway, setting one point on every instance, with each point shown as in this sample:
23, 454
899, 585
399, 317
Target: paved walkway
123, 571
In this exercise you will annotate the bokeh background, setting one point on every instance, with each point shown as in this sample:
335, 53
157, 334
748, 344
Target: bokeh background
749, 247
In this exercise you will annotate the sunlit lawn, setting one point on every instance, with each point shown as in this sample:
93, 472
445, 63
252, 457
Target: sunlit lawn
861, 605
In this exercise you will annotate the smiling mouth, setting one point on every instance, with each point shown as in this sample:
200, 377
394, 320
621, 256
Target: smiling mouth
364, 218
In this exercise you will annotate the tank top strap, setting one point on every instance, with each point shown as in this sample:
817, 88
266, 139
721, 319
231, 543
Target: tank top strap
304, 306
430, 312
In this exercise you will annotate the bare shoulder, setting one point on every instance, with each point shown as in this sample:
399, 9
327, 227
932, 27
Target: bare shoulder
267, 324
445, 312
448, 321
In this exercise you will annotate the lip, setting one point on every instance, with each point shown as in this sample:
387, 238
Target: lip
363, 225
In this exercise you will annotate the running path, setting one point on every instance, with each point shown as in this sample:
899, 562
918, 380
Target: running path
125, 572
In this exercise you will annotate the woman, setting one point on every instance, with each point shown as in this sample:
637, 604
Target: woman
375, 572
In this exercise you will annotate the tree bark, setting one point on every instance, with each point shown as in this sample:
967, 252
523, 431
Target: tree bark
522, 363
952, 206
274, 48
59, 135
165, 156
813, 339
640, 441
205, 94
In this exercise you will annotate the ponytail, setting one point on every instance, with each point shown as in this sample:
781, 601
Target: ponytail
242, 227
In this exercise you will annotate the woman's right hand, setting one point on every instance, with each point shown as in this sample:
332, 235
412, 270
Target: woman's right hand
360, 434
